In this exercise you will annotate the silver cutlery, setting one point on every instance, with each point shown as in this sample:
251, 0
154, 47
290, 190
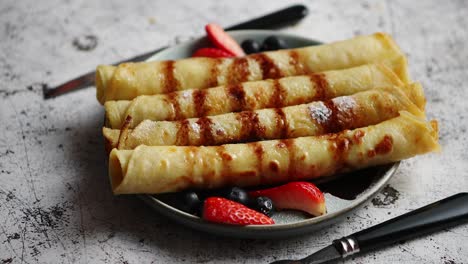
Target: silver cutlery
442, 214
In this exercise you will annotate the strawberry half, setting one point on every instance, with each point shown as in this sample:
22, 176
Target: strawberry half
222, 40
212, 53
303, 196
221, 210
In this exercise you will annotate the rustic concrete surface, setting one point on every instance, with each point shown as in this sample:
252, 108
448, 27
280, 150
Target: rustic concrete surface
55, 201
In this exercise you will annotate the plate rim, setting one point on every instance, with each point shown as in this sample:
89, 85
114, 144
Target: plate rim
265, 231
235, 33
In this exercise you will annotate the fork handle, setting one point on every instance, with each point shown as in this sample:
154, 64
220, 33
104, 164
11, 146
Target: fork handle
442, 214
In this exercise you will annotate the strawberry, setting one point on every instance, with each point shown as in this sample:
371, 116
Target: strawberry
222, 40
303, 196
221, 210
212, 53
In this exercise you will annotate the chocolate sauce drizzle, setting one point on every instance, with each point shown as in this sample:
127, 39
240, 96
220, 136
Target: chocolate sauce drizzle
226, 158
278, 95
206, 133
251, 129
174, 102
322, 86
281, 123
237, 97
292, 168
170, 82
238, 71
258, 150
199, 100
214, 72
267, 66
182, 137
294, 61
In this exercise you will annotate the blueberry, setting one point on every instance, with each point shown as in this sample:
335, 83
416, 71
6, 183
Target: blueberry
237, 194
263, 205
273, 43
190, 202
250, 46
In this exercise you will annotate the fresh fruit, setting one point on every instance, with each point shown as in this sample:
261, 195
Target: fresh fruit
303, 196
237, 194
221, 210
273, 43
263, 205
250, 46
190, 202
212, 53
222, 40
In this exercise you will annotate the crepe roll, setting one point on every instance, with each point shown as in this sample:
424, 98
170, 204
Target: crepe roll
129, 80
161, 169
250, 95
318, 118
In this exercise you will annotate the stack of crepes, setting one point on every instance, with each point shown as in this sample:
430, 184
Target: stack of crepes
266, 118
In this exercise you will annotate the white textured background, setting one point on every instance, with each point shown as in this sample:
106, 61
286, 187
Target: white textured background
55, 201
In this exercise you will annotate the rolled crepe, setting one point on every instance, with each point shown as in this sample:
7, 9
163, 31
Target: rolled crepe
250, 95
160, 169
318, 118
129, 80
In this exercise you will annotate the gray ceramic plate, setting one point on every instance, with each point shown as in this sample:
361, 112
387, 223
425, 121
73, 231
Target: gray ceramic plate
342, 195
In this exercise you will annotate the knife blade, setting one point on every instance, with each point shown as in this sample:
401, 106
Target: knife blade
275, 19
88, 79
324, 255
442, 214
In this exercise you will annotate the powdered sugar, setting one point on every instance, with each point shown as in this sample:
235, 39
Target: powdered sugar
320, 112
344, 103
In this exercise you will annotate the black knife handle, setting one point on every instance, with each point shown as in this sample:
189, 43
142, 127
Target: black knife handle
433, 217
283, 17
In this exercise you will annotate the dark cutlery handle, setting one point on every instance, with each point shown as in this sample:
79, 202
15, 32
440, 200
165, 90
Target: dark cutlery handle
289, 15
433, 217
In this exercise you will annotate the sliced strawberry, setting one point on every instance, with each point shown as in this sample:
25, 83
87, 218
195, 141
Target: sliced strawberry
212, 53
222, 40
221, 210
303, 196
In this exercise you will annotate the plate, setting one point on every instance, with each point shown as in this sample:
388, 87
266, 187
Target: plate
343, 194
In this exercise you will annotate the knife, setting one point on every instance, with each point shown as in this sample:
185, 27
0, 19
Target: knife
445, 213
280, 18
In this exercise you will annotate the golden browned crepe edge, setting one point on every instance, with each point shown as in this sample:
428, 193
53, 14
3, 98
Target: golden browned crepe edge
389, 69
113, 109
400, 67
400, 64
415, 93
118, 164
111, 138
432, 126
103, 75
